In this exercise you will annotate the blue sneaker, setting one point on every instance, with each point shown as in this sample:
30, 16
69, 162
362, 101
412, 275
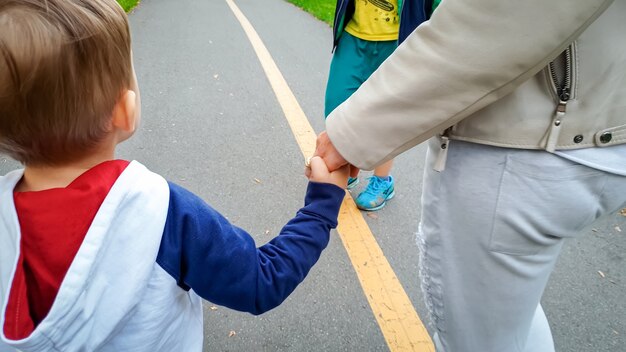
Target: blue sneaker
352, 182
377, 193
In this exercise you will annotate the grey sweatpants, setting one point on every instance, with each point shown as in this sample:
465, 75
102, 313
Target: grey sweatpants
493, 224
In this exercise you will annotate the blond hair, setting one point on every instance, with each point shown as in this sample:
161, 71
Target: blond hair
63, 66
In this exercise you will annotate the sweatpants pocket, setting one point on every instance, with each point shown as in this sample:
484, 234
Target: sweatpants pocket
541, 201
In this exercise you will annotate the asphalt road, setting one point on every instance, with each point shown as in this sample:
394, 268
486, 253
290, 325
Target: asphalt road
212, 124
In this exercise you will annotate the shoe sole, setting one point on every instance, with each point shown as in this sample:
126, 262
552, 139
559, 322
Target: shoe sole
389, 197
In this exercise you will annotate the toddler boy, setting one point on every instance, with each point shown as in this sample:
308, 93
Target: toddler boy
102, 254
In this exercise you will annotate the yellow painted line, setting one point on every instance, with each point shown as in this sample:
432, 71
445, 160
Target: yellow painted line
401, 326
396, 316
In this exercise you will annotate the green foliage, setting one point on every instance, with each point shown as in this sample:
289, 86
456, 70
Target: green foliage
322, 9
128, 5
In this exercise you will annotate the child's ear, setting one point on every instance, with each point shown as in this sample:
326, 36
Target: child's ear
125, 112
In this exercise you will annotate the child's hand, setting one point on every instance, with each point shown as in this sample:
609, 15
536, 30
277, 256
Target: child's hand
318, 172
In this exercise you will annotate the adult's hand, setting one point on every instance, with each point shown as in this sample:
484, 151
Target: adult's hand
327, 151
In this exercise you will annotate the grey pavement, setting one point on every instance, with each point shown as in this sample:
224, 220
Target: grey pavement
211, 123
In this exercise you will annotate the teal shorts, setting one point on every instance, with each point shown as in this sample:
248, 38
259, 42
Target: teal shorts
353, 62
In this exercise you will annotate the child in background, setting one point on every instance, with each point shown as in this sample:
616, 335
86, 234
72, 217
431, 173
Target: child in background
365, 33
102, 254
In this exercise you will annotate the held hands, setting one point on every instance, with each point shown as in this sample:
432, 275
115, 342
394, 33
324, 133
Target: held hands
317, 171
326, 150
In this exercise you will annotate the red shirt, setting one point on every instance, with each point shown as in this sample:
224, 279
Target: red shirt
53, 224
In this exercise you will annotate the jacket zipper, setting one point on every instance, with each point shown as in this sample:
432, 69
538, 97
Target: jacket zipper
337, 24
563, 92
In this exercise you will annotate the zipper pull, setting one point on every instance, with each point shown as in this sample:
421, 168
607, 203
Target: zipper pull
442, 156
555, 130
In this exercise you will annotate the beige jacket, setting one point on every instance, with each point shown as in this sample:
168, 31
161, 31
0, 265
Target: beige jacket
482, 66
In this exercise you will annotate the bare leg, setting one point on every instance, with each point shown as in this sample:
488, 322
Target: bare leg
384, 169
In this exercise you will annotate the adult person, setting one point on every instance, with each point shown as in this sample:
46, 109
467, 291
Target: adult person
365, 33
524, 106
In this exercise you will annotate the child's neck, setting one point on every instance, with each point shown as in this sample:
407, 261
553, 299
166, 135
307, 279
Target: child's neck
39, 178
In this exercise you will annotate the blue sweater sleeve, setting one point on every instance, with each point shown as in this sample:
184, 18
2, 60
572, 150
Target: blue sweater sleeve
221, 262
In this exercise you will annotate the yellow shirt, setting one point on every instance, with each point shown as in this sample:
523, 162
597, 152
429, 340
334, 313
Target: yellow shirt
375, 20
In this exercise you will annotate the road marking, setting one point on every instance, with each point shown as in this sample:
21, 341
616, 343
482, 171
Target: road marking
402, 328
